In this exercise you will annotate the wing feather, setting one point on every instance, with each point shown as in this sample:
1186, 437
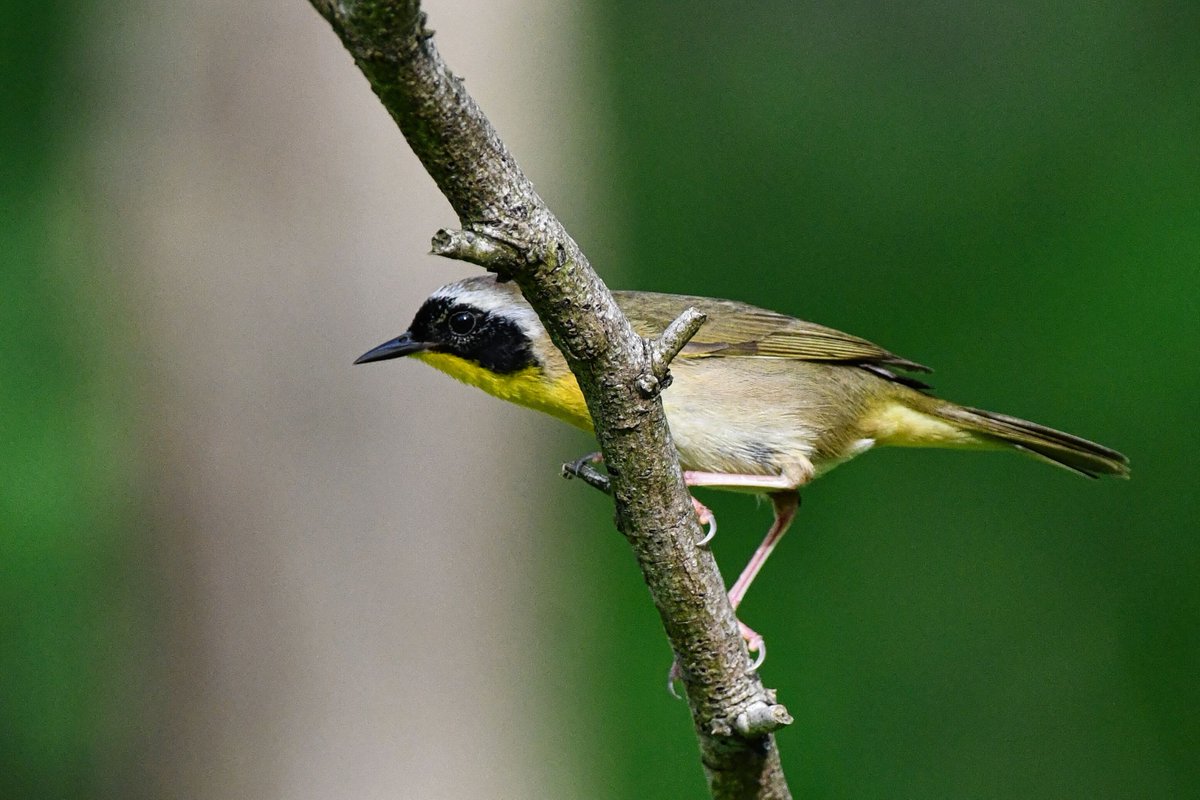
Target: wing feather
739, 330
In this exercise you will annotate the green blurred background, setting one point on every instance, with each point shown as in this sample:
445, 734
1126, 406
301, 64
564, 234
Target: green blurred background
1008, 192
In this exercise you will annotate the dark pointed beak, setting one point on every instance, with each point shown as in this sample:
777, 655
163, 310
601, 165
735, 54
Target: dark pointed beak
402, 345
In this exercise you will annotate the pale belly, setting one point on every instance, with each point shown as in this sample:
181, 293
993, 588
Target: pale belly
773, 430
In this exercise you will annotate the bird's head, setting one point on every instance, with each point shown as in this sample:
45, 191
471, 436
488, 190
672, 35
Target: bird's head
483, 333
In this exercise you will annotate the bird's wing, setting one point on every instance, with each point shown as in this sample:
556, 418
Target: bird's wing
739, 330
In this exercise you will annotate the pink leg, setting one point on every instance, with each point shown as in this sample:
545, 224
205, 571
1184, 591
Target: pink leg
785, 504
730, 481
726, 480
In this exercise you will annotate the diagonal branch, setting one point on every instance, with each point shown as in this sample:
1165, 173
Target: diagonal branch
507, 228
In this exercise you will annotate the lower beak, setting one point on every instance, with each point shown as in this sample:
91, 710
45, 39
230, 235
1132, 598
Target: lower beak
402, 345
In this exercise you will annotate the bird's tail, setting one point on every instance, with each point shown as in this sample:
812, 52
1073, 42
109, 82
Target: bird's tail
1061, 449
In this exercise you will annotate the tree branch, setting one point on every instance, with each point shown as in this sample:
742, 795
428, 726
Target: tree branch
508, 229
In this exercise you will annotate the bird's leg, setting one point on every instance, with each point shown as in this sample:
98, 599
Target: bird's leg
723, 480
720, 479
785, 504
582, 468
785, 500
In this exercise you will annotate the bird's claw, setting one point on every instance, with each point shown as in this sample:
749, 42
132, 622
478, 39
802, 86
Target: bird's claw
674, 674
585, 461
754, 644
582, 468
759, 648
707, 519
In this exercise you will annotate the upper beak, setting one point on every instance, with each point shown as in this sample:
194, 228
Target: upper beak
402, 345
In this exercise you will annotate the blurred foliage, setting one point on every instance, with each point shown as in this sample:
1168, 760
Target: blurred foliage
67, 608
1006, 193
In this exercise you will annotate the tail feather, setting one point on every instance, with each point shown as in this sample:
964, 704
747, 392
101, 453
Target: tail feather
1062, 449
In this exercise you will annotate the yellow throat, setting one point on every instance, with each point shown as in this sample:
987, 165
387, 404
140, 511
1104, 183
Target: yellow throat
528, 387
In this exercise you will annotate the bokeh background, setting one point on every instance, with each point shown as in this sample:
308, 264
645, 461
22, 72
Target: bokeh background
231, 565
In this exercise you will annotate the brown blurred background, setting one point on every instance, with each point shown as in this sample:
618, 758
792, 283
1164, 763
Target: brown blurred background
318, 576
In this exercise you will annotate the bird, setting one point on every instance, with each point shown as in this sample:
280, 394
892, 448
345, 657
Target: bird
759, 401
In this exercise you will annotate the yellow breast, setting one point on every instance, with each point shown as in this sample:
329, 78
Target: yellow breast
529, 387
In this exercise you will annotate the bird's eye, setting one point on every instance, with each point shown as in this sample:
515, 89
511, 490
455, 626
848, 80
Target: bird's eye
462, 322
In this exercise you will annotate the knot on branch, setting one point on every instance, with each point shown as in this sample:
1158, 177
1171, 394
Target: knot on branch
758, 718
487, 249
663, 350
649, 385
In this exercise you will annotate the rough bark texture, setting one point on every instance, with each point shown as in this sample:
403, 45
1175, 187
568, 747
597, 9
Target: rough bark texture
508, 229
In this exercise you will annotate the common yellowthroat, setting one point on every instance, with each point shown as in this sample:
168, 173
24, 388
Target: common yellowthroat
760, 401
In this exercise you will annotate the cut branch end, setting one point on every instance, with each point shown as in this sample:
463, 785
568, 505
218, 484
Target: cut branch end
664, 349
761, 718
476, 247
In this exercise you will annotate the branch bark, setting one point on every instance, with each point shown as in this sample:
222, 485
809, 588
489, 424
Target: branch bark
508, 229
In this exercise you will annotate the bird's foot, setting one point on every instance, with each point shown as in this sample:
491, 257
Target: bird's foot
582, 468
675, 673
754, 645
707, 519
